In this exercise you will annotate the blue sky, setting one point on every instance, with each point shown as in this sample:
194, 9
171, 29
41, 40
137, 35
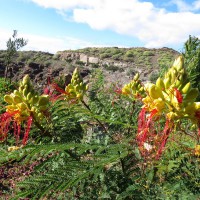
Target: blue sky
53, 25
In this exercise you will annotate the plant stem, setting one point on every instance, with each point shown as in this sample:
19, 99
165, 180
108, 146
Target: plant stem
122, 165
121, 160
39, 126
104, 128
131, 113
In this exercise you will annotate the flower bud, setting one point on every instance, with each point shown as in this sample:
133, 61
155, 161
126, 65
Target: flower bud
167, 83
26, 80
17, 99
179, 63
160, 83
25, 92
8, 99
155, 92
29, 95
43, 100
186, 88
136, 77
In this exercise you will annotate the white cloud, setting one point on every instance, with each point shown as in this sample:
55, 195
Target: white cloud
182, 6
4, 37
154, 26
52, 44
42, 43
196, 5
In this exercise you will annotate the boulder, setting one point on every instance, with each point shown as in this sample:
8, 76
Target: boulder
93, 60
84, 58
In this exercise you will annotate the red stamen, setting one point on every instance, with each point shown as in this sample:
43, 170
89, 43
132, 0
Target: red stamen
5, 120
57, 88
148, 134
141, 120
118, 90
165, 137
144, 126
178, 95
29, 122
47, 90
152, 114
17, 130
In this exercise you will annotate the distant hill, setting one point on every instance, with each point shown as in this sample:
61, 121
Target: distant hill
117, 64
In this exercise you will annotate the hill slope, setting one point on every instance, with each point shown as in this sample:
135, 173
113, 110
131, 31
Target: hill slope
117, 64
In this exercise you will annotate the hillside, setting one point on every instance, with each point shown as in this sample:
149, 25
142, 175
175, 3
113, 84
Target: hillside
117, 64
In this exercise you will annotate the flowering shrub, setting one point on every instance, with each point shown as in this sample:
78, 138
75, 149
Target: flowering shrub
24, 105
129, 143
172, 97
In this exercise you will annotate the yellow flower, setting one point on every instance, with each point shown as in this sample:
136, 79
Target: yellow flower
134, 89
197, 150
171, 115
77, 88
151, 104
13, 148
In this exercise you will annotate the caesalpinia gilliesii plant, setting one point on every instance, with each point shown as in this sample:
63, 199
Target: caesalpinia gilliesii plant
24, 105
77, 88
173, 98
73, 92
134, 89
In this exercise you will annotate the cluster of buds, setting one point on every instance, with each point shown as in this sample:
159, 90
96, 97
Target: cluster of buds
173, 95
197, 150
24, 105
77, 88
26, 102
134, 89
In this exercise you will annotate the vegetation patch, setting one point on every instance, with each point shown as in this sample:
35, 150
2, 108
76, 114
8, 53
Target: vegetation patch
89, 140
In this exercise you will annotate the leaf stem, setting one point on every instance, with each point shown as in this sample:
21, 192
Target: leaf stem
104, 128
39, 126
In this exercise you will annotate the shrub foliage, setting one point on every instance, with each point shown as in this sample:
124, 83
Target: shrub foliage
90, 141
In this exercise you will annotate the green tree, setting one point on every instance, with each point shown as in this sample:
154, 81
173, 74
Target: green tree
192, 60
13, 45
